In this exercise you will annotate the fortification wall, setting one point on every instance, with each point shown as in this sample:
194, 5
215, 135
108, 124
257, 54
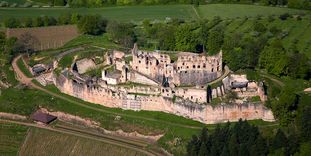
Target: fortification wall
195, 95
136, 89
203, 113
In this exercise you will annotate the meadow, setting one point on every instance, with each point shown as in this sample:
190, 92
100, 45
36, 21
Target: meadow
11, 138
45, 142
160, 12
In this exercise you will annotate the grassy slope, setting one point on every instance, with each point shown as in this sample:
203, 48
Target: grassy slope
24, 69
44, 142
299, 30
11, 138
237, 10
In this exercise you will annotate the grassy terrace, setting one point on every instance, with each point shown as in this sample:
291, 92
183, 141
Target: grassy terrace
161, 12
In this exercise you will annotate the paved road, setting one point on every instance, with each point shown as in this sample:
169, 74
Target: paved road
91, 136
28, 81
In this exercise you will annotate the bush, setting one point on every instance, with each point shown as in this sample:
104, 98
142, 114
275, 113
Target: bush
11, 23
4, 4
93, 25
13, 5
284, 16
27, 4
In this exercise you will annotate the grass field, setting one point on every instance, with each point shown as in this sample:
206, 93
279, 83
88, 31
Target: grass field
11, 138
124, 13
48, 143
161, 12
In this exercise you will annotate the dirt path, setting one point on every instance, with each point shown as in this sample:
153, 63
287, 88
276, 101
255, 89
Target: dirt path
91, 136
28, 81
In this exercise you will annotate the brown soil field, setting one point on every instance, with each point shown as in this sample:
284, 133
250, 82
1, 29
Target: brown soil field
47, 37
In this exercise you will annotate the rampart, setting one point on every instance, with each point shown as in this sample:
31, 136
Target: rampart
182, 107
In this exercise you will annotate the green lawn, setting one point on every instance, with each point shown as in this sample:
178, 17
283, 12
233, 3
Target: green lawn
11, 138
160, 12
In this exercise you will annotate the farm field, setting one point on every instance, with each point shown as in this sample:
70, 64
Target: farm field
45, 142
11, 138
138, 13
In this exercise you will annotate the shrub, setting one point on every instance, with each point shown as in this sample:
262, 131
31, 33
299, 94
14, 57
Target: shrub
4, 4
284, 16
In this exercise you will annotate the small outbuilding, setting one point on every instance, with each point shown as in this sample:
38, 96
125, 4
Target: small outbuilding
42, 117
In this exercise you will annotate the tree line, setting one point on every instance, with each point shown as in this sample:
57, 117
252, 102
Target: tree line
244, 139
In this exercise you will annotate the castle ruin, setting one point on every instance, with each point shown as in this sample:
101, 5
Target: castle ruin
156, 81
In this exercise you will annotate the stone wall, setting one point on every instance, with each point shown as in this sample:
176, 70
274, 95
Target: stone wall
186, 108
192, 94
193, 77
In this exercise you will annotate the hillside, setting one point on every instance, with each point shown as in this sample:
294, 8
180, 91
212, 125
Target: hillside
295, 31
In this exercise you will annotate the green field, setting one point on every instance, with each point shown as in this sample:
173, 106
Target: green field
122, 13
44, 142
161, 12
237, 10
11, 138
